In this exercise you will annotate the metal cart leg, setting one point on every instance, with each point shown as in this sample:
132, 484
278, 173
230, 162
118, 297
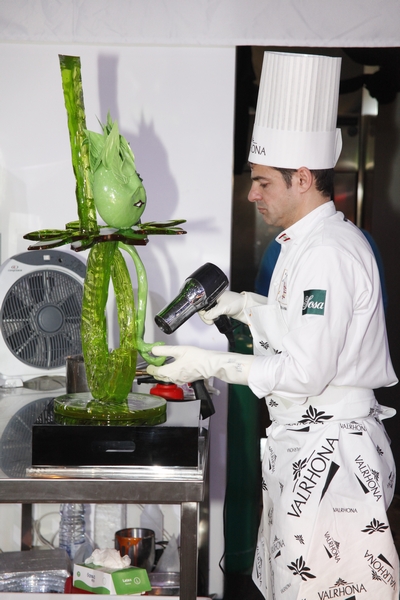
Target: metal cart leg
188, 553
203, 541
26, 527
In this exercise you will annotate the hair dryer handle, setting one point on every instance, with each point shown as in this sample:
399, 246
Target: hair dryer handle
224, 325
206, 404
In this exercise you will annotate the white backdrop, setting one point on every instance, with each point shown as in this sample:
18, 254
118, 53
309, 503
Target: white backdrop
181, 136
165, 70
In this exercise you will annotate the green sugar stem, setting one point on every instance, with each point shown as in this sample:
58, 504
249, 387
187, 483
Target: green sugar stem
73, 96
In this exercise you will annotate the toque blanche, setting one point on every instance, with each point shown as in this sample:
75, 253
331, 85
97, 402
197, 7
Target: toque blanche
295, 121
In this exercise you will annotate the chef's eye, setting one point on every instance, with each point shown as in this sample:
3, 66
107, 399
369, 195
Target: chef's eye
139, 203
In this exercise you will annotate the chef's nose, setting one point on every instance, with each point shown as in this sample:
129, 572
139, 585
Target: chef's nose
253, 194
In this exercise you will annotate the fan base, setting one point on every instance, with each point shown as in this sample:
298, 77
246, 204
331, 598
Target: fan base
83, 409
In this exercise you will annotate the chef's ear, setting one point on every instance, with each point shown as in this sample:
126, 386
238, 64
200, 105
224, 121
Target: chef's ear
304, 179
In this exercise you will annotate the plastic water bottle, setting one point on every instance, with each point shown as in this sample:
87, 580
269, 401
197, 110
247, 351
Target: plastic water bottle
72, 528
108, 518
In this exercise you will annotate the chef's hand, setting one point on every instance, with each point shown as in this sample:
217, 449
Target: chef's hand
192, 363
229, 303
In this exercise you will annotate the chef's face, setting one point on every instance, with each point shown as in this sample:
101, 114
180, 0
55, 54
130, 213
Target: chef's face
278, 204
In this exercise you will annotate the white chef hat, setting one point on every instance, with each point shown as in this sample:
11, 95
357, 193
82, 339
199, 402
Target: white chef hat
295, 122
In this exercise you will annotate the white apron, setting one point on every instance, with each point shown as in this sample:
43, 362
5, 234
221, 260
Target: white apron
328, 478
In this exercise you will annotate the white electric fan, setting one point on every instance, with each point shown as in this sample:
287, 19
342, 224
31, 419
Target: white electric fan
40, 314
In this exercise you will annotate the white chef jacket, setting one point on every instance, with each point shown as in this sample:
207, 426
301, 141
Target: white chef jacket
328, 471
324, 260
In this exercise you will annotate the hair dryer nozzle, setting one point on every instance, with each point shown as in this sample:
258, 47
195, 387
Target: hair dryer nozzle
200, 291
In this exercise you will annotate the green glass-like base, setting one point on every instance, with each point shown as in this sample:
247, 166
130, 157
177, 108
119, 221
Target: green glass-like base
83, 409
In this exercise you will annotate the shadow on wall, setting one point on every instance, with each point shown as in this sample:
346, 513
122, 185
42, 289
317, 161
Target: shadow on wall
161, 254
161, 188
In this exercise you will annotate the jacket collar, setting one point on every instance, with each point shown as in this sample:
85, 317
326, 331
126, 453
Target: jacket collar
307, 223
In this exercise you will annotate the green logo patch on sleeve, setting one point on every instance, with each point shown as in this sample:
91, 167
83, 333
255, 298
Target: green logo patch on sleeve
314, 302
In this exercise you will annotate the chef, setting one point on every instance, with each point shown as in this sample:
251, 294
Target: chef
320, 349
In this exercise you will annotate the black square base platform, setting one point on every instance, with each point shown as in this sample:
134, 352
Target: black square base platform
54, 444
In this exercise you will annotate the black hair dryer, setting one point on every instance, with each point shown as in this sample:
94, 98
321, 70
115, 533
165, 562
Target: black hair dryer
199, 292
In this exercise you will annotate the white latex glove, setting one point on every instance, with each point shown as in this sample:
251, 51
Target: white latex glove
193, 363
229, 303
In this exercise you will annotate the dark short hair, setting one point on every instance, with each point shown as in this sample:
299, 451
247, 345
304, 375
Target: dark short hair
323, 179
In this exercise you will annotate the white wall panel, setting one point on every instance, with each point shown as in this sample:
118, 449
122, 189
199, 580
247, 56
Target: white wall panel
175, 107
176, 110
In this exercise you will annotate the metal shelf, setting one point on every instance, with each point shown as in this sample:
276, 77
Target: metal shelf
186, 486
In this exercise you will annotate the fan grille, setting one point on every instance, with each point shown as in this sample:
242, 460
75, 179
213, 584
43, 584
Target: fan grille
16, 441
41, 316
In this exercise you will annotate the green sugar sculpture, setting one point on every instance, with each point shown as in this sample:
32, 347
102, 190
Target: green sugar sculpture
106, 182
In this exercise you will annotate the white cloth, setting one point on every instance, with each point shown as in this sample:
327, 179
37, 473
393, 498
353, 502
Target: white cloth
216, 23
109, 558
328, 471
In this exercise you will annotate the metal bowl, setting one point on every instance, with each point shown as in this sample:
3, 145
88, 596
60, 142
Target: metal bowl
164, 584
